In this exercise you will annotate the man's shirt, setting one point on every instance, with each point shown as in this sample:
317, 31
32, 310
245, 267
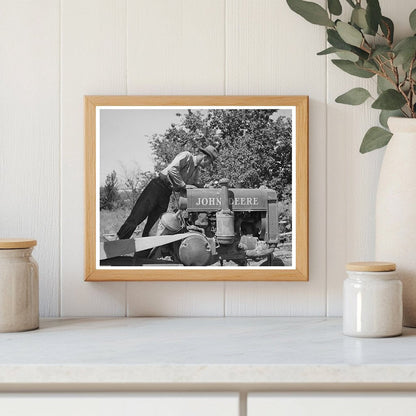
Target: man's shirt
182, 171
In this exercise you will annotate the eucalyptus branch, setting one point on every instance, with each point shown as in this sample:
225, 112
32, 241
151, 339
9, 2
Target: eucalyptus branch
395, 71
362, 47
392, 67
365, 42
381, 35
384, 73
366, 55
406, 97
381, 65
411, 82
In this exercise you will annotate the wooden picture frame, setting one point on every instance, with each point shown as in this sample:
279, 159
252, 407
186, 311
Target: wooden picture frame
98, 108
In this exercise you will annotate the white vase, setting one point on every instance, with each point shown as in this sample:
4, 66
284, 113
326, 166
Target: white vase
396, 210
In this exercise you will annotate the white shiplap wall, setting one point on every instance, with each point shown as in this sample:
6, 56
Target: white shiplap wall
29, 135
55, 52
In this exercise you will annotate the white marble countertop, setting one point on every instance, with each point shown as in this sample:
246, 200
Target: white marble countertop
180, 353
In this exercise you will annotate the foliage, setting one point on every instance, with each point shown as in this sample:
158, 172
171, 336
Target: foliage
365, 43
285, 216
111, 221
134, 181
255, 146
109, 194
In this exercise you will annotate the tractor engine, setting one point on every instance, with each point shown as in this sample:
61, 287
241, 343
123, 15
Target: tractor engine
230, 224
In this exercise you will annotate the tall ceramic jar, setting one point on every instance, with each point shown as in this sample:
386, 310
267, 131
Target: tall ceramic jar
396, 210
19, 286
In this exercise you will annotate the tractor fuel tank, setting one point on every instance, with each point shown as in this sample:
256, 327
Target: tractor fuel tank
225, 217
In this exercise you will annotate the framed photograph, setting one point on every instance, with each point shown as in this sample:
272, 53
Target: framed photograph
196, 188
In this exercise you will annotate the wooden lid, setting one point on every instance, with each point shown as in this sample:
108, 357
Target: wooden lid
371, 266
10, 243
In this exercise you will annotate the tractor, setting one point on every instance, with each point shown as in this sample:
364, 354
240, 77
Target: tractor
211, 226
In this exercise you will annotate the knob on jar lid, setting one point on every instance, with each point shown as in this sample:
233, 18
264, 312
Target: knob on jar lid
371, 266
11, 243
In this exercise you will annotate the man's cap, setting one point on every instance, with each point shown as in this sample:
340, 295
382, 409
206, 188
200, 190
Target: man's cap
210, 151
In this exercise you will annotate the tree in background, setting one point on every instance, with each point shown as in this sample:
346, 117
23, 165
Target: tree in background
255, 146
109, 195
134, 180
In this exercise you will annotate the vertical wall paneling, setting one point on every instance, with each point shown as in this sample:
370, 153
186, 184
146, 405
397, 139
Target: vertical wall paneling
352, 177
175, 48
55, 52
271, 50
29, 135
175, 299
93, 61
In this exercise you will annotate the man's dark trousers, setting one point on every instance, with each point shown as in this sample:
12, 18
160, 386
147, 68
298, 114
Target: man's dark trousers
151, 204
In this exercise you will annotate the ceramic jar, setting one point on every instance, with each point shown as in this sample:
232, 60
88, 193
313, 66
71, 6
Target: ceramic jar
372, 300
395, 209
19, 286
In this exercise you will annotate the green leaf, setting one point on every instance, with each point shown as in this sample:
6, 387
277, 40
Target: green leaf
334, 7
347, 55
387, 27
371, 64
358, 18
335, 40
383, 84
386, 114
405, 50
328, 51
356, 96
412, 20
405, 43
311, 12
389, 100
350, 56
349, 34
373, 15
375, 138
381, 50
352, 68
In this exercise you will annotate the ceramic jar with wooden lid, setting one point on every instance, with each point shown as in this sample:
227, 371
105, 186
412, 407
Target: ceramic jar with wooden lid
19, 286
372, 300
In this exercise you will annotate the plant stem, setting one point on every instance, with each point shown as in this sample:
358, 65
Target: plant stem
411, 93
406, 97
384, 73
395, 71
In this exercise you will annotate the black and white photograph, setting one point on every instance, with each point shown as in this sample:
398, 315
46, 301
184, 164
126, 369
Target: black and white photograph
195, 187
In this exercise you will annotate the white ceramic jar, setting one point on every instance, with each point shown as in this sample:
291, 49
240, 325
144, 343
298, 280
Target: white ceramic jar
372, 300
19, 286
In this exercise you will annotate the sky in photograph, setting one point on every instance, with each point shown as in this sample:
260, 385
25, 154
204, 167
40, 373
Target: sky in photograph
124, 135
